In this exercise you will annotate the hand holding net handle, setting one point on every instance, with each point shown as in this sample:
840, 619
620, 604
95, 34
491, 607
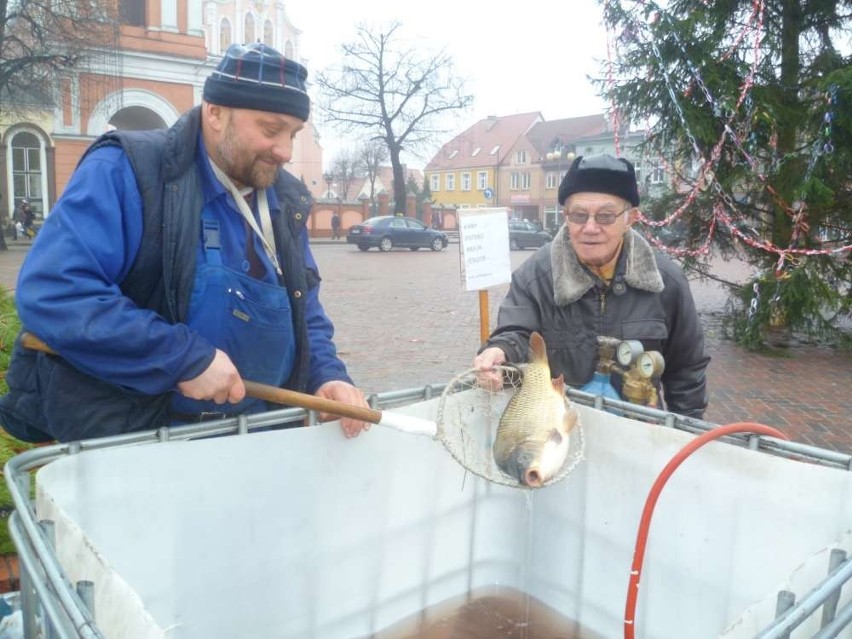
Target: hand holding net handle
405, 423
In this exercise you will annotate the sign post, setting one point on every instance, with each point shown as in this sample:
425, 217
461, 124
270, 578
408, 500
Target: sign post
484, 254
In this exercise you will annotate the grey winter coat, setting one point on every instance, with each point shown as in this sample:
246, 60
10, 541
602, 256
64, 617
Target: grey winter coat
648, 300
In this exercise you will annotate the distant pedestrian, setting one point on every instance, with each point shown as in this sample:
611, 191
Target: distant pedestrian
335, 226
26, 216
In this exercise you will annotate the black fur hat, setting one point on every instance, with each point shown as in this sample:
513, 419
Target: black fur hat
600, 174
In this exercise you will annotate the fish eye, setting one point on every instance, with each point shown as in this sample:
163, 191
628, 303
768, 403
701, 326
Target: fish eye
555, 437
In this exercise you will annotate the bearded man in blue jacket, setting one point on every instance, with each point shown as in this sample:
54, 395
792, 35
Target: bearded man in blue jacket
175, 265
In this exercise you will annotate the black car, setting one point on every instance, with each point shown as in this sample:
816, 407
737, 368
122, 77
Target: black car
524, 234
388, 231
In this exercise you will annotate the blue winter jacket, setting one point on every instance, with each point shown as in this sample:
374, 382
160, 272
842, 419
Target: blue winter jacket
107, 285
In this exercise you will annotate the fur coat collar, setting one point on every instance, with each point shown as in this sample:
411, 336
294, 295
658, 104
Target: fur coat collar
571, 280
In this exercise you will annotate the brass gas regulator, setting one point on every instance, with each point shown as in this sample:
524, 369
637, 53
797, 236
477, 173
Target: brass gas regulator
637, 368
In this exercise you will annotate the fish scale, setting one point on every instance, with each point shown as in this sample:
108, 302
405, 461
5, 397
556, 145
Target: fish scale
536, 404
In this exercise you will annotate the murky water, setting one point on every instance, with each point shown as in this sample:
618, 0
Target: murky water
488, 613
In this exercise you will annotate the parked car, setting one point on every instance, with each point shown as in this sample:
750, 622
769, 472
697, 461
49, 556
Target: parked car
388, 231
524, 234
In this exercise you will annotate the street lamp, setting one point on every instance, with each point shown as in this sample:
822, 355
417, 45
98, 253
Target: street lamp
329, 178
559, 159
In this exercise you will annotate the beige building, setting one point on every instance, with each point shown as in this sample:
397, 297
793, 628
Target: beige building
518, 162
153, 71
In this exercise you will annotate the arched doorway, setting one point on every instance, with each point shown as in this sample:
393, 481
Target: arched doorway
132, 110
137, 118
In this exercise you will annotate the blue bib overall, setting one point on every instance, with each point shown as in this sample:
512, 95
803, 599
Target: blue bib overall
247, 318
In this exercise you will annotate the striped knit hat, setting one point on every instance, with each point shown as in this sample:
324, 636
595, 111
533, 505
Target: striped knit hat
256, 76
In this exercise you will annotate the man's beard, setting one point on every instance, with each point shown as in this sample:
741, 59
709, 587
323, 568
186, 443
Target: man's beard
243, 171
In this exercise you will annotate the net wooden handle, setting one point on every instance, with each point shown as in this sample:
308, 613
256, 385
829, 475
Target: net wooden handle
262, 391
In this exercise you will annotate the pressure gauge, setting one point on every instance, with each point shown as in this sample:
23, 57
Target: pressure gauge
628, 351
650, 364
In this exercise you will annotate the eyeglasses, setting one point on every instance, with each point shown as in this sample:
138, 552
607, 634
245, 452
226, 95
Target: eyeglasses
602, 218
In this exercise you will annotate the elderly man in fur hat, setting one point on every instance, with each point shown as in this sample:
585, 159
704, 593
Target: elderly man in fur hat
600, 278
175, 266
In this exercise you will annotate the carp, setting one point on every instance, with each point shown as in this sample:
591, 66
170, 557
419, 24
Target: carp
531, 444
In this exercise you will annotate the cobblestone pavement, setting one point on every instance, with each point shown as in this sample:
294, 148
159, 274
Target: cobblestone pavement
403, 320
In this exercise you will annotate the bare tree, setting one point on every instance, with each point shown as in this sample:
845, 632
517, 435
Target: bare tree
397, 94
370, 158
43, 40
344, 168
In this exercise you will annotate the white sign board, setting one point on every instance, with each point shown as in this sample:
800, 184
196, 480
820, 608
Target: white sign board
484, 242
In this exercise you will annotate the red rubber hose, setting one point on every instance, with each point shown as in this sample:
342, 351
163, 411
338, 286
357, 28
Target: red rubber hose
654, 494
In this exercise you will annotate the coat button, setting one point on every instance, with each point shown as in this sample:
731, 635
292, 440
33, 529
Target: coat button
304, 199
298, 216
297, 294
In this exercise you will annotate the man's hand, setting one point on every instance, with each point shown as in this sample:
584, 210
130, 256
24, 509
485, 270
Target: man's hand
220, 382
347, 393
485, 363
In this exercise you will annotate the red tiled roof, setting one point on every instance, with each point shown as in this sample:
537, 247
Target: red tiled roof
485, 143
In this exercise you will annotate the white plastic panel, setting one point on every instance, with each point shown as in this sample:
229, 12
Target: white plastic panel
303, 533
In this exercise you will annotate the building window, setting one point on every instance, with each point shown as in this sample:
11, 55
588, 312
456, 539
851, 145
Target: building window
224, 35
465, 181
520, 157
552, 219
552, 180
476, 152
494, 150
434, 182
482, 180
695, 167
658, 173
267, 33
514, 181
27, 177
450, 182
525, 181
132, 12
248, 29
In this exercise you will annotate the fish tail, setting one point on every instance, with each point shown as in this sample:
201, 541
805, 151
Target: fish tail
538, 351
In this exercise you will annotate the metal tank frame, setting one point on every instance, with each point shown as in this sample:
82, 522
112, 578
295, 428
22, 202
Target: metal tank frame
55, 608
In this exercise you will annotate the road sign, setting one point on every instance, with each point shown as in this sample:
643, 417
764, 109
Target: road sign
488, 193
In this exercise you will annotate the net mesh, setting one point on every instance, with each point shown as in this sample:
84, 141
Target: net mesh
468, 417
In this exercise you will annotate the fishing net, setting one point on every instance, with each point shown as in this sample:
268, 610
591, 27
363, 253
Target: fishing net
468, 417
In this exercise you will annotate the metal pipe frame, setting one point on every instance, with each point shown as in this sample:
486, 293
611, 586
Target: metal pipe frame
71, 619
794, 616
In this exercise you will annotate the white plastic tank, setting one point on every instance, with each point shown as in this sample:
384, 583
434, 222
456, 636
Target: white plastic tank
304, 534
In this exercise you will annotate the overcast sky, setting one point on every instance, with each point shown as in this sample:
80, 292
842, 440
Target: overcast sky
533, 56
